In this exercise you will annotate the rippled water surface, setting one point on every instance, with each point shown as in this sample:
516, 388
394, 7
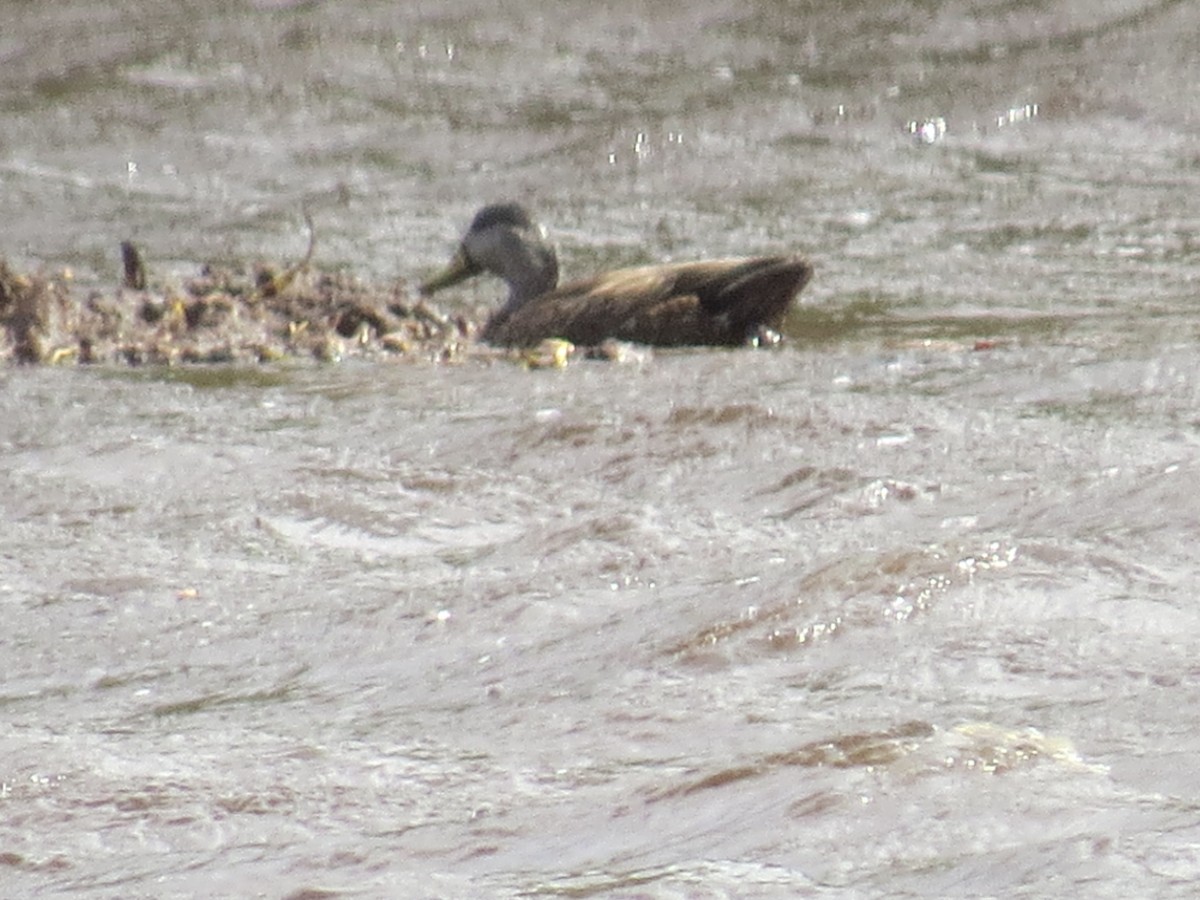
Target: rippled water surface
905, 607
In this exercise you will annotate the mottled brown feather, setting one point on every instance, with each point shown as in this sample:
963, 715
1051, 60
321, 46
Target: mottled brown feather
714, 302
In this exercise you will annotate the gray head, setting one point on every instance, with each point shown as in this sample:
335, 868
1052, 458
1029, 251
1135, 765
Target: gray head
514, 215
504, 240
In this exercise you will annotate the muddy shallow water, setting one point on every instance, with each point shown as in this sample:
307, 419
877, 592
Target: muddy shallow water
905, 607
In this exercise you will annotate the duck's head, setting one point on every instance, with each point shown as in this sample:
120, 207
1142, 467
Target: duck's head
503, 239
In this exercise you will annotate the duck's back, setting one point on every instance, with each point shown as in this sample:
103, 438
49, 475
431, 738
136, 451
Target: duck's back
710, 303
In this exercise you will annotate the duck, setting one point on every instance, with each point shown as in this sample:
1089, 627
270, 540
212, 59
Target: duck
717, 302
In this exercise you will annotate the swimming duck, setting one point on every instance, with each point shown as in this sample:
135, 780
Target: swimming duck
722, 302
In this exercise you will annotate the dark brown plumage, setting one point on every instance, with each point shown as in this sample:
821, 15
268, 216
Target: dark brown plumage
724, 302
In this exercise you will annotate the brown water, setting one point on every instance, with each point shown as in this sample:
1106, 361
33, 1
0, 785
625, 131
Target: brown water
907, 607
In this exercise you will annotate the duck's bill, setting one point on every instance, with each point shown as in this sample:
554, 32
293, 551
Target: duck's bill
459, 269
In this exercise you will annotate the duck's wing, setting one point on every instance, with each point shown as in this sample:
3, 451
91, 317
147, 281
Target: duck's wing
715, 302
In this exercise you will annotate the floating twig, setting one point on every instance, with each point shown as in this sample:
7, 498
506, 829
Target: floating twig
272, 285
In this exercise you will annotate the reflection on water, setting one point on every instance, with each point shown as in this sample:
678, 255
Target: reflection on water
904, 606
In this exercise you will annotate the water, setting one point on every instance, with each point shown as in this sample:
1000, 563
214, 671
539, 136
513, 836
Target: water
904, 608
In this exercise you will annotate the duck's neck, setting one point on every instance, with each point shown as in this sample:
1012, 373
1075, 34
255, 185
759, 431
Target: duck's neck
529, 267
